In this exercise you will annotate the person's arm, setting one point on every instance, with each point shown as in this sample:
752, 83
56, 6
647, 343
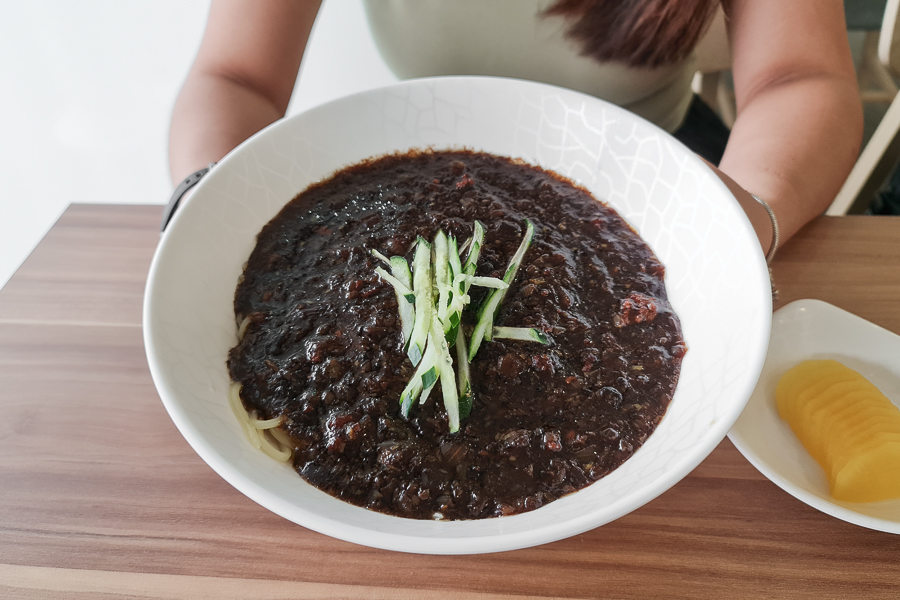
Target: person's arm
241, 80
799, 116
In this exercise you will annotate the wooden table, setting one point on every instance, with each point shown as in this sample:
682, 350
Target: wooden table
100, 497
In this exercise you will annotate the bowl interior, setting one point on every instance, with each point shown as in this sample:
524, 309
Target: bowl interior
715, 276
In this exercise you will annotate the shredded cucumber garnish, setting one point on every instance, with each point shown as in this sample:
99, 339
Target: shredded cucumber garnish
381, 257
442, 279
485, 326
474, 249
464, 377
455, 264
430, 377
414, 388
424, 300
407, 309
448, 383
401, 280
402, 290
526, 334
516, 261
431, 298
488, 282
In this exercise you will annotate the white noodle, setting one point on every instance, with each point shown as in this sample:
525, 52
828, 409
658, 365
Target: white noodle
261, 434
243, 328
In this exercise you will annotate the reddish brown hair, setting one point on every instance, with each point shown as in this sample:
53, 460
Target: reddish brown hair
642, 33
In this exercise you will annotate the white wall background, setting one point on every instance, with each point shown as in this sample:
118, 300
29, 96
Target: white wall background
87, 87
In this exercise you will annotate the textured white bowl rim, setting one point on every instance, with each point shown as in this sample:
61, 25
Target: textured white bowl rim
711, 244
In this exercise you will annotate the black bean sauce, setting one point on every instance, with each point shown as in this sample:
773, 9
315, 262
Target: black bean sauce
323, 346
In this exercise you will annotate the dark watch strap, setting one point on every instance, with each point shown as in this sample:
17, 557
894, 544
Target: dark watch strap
186, 184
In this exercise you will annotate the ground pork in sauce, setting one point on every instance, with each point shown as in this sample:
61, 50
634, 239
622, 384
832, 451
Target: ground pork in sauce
323, 346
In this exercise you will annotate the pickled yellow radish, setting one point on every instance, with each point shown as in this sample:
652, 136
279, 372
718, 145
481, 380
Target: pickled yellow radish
847, 425
840, 458
867, 477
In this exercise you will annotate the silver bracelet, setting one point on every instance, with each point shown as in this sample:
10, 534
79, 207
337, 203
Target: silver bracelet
774, 245
183, 187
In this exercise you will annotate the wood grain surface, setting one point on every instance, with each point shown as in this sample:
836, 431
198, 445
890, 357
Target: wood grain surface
100, 497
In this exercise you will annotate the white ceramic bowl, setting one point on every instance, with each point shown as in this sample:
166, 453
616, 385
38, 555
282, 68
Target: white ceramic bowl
716, 279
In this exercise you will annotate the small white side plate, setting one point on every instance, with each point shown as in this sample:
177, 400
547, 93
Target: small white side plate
803, 330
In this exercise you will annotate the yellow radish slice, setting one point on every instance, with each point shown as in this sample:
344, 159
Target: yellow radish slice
847, 425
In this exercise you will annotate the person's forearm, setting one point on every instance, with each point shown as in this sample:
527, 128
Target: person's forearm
793, 145
212, 115
241, 80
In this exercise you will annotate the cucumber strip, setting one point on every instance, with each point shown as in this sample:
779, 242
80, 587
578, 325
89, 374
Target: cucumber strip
455, 264
464, 378
410, 394
381, 257
516, 260
402, 291
407, 309
442, 273
450, 336
425, 393
465, 245
422, 287
458, 297
460, 287
513, 268
484, 326
400, 270
462, 280
413, 389
488, 282
474, 249
527, 334
448, 383
430, 376
458, 302
407, 321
